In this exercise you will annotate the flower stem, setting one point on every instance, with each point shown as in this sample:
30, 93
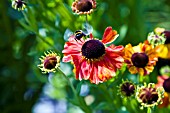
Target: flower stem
86, 18
26, 18
149, 110
35, 30
45, 41
68, 80
79, 99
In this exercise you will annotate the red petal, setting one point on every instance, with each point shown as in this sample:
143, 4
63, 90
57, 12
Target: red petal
77, 60
114, 59
66, 58
105, 73
109, 35
94, 75
115, 48
91, 36
86, 70
71, 49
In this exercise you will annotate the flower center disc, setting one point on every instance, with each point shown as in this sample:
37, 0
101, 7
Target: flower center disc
149, 96
93, 49
140, 60
166, 85
128, 89
50, 62
84, 5
19, 3
167, 35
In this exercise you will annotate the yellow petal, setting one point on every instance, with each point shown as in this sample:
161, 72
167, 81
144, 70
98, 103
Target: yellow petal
133, 70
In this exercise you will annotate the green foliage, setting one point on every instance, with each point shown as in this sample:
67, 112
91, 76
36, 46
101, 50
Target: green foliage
26, 35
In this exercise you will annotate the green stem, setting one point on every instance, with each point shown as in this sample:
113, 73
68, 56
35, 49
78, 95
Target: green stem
45, 41
149, 110
81, 101
141, 79
69, 82
36, 31
116, 81
86, 19
26, 18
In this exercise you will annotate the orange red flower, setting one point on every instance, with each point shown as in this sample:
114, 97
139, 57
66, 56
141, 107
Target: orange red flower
92, 59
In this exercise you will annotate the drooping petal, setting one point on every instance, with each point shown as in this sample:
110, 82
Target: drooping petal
109, 35
77, 60
86, 70
94, 75
66, 58
105, 72
115, 55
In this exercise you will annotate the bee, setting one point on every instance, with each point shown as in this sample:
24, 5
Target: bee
78, 34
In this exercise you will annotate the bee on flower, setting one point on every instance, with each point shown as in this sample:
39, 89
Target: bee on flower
50, 62
19, 4
79, 34
92, 59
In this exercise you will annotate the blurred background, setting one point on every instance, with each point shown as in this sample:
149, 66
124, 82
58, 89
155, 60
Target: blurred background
23, 88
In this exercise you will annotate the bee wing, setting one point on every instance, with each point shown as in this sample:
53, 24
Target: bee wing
67, 34
87, 28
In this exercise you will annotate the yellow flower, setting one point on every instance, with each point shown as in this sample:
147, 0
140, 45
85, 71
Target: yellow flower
140, 59
163, 51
